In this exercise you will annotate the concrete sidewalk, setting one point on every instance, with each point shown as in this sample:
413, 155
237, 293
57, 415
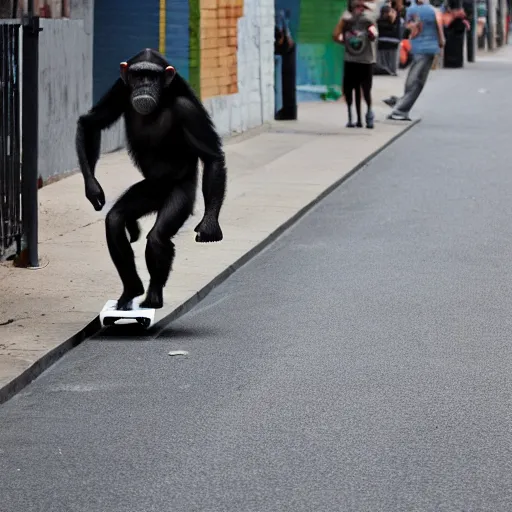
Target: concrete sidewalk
272, 176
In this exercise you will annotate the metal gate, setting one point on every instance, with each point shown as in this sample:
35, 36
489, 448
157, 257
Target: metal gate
10, 157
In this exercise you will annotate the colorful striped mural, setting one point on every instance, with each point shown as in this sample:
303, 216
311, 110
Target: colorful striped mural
199, 38
209, 57
319, 59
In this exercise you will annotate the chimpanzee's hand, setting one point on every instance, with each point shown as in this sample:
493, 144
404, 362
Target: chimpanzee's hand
94, 193
208, 230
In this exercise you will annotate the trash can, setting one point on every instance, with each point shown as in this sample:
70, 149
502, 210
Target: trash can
286, 50
454, 45
469, 9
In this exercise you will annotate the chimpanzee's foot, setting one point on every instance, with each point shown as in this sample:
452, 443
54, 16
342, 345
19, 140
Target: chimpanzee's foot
154, 298
124, 303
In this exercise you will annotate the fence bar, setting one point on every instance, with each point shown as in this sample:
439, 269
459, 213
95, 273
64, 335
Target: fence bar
10, 168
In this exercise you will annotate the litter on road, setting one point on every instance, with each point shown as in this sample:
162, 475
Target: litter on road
178, 353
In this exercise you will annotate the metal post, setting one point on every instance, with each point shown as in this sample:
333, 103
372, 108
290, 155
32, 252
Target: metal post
471, 36
14, 9
30, 133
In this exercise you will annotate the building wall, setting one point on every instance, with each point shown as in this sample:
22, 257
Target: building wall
175, 37
122, 28
242, 96
219, 45
239, 89
65, 86
6, 9
226, 52
319, 59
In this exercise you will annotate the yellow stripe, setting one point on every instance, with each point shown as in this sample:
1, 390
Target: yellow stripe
161, 38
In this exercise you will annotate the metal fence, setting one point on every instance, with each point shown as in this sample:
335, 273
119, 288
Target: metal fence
11, 226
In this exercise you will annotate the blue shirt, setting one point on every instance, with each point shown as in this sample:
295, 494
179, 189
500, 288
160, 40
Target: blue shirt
427, 41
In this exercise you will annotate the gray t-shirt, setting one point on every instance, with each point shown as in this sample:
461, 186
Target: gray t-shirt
358, 46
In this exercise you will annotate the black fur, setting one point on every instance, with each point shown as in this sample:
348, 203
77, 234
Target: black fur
165, 142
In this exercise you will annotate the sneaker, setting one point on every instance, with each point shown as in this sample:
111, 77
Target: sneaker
369, 120
391, 101
399, 117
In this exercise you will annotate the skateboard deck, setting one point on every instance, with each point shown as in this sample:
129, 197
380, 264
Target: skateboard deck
109, 315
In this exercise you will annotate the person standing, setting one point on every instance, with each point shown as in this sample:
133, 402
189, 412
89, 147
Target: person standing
390, 32
357, 31
427, 38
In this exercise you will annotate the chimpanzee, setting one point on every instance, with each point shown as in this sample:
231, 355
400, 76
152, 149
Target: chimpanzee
168, 130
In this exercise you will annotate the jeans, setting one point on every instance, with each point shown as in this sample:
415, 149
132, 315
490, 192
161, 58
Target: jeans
416, 79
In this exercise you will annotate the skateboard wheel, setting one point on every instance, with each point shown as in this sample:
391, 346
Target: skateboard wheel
144, 322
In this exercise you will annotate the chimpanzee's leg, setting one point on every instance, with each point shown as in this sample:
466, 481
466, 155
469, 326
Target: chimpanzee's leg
160, 249
139, 200
133, 229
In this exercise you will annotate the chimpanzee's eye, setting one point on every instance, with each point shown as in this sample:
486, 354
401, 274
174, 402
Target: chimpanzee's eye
146, 74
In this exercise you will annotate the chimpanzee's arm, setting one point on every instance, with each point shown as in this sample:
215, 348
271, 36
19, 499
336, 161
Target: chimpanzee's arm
203, 138
88, 137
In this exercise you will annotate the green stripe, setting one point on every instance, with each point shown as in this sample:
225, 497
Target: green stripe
317, 22
195, 46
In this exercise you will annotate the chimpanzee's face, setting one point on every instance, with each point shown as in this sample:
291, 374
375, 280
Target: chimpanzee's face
146, 81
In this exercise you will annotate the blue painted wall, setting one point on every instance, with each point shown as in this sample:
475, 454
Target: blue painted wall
177, 35
294, 7
122, 28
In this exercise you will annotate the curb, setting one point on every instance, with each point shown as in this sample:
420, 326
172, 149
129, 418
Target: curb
94, 327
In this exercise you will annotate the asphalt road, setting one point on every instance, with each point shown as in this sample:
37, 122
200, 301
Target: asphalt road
361, 363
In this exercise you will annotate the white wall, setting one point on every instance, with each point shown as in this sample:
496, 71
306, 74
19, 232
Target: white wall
65, 86
65, 92
253, 105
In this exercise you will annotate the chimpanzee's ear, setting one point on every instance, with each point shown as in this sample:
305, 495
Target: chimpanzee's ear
124, 69
170, 73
